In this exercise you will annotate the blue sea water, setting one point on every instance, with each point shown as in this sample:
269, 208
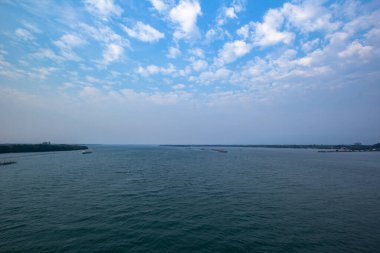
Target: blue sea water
170, 199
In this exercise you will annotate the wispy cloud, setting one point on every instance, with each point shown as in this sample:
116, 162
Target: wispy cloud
268, 32
67, 43
161, 5
102, 33
199, 65
24, 34
309, 16
355, 50
30, 27
153, 70
232, 51
230, 12
173, 52
47, 53
144, 32
104, 9
41, 73
198, 52
112, 53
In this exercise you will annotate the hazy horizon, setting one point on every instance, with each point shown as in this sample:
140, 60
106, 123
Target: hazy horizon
188, 144
190, 72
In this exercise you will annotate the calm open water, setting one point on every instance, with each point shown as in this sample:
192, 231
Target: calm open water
168, 199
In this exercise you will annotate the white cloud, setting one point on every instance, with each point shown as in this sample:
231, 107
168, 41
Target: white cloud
309, 16
225, 13
103, 8
267, 33
93, 80
373, 36
173, 52
160, 5
41, 73
307, 46
232, 51
356, 49
244, 31
217, 33
185, 16
68, 41
144, 32
112, 52
153, 70
362, 23
103, 34
185, 72
2, 52
230, 12
113, 43
24, 34
47, 53
221, 75
85, 67
305, 61
67, 85
7, 69
198, 52
179, 86
31, 27
347, 9
335, 60
66, 44
199, 65
306, 16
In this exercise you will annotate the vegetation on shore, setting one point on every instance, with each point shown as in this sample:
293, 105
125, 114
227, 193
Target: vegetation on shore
44, 147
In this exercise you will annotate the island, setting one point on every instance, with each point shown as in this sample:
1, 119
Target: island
43, 147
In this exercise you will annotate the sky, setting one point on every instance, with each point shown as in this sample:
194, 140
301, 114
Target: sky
190, 71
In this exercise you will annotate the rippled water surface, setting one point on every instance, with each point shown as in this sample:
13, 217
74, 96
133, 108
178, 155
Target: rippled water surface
167, 199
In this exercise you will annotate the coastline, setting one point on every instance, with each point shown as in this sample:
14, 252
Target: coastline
321, 147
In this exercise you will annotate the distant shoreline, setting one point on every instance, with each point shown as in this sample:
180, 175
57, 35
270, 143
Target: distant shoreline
330, 148
44, 147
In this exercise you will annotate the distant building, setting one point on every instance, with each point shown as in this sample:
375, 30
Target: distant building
46, 143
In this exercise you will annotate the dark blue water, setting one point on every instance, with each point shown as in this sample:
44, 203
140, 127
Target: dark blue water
166, 199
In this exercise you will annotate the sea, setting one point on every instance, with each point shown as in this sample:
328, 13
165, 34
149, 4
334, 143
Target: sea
188, 199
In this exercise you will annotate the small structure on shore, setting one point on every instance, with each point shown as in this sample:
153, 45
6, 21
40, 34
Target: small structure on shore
219, 150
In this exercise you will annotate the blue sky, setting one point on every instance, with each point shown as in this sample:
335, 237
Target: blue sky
190, 71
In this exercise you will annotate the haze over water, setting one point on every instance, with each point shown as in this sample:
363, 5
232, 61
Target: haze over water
169, 199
